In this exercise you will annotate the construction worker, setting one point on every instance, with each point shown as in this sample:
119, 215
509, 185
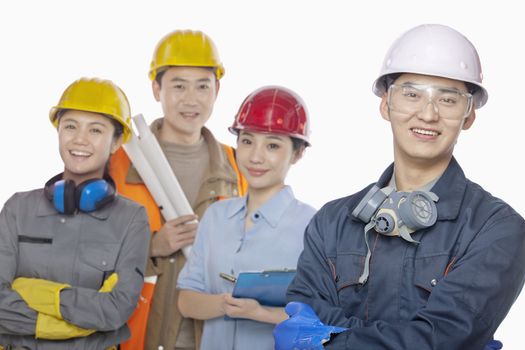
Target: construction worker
185, 73
261, 231
72, 254
424, 258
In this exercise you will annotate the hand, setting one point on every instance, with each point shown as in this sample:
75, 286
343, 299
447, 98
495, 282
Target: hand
241, 307
493, 345
174, 235
40, 295
52, 328
303, 330
109, 283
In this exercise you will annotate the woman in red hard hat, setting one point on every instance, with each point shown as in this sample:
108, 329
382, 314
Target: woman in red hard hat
258, 232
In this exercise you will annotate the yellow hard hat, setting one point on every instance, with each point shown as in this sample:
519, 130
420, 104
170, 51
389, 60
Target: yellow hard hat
186, 48
97, 96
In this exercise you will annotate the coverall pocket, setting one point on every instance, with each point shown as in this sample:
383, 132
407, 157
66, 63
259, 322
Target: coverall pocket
348, 268
33, 255
96, 263
428, 273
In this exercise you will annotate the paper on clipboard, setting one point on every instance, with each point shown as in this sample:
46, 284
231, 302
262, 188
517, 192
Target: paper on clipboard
267, 287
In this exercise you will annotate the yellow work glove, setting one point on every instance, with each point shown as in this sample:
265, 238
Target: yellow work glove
52, 328
49, 327
109, 283
40, 295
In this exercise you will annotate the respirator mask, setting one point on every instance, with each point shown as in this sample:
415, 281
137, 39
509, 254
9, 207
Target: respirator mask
393, 213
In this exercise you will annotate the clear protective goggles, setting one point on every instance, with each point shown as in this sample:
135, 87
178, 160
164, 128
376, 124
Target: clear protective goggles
448, 103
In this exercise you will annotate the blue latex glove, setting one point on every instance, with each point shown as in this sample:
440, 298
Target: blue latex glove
303, 330
493, 345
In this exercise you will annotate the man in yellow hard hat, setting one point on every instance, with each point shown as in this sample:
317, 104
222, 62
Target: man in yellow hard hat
185, 72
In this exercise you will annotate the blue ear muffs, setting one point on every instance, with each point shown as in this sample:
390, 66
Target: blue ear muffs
93, 194
63, 196
88, 196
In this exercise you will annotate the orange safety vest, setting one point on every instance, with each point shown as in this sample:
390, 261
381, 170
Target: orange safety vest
119, 168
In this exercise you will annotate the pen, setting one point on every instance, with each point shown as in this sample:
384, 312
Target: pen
227, 277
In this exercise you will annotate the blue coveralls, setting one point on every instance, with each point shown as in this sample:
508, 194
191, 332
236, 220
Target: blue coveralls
449, 292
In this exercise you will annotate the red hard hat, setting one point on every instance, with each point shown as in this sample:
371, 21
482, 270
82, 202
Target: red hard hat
276, 110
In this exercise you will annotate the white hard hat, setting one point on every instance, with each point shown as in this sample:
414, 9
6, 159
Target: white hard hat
438, 50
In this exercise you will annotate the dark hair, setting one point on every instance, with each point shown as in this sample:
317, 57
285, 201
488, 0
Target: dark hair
119, 128
158, 77
471, 88
297, 144
389, 79
162, 70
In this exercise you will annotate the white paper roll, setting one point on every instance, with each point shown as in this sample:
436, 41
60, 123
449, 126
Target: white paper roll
151, 163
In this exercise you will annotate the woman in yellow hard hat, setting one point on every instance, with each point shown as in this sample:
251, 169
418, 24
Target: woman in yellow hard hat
73, 253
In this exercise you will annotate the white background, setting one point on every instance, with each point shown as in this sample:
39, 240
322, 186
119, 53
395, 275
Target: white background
327, 51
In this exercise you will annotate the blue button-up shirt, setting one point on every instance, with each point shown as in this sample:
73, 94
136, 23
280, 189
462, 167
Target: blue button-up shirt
222, 245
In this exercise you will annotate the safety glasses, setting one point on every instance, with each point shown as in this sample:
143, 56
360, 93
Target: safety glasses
412, 99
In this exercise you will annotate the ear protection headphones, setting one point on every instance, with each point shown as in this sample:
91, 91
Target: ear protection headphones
88, 196
393, 213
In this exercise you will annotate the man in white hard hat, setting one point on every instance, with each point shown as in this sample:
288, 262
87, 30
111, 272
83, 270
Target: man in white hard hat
423, 258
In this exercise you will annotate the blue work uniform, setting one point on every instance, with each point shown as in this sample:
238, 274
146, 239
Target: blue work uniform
450, 292
222, 245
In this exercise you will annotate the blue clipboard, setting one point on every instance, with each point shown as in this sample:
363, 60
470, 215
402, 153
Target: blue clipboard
267, 287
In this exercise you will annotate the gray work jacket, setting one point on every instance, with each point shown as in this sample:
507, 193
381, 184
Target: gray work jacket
82, 250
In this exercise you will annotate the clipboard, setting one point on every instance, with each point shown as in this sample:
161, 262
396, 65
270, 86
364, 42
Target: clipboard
267, 287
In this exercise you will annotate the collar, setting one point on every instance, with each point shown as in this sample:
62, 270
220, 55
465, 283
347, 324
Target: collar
218, 160
271, 211
425, 187
46, 208
450, 188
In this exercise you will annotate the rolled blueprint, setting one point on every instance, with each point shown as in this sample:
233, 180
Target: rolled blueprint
151, 163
